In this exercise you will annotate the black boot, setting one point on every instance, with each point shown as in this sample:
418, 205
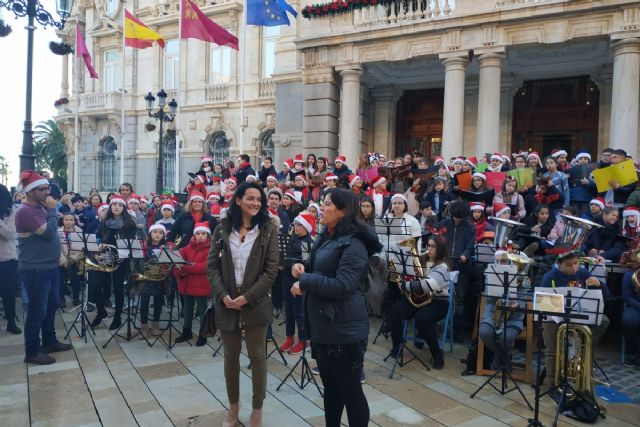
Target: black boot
185, 336
13, 329
98, 319
115, 324
437, 362
201, 341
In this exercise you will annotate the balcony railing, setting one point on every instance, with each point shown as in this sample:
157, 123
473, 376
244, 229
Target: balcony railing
100, 102
216, 92
396, 11
266, 89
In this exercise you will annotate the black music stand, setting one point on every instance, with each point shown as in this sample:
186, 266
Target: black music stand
306, 376
402, 259
507, 280
169, 257
85, 243
132, 249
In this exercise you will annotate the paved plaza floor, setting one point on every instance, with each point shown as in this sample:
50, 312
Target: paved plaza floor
129, 384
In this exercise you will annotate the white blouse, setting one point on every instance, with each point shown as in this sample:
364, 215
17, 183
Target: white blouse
240, 251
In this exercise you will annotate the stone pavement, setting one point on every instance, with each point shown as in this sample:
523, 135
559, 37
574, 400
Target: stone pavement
129, 384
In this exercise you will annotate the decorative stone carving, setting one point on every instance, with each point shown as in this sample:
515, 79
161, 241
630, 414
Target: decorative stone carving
217, 124
90, 123
318, 75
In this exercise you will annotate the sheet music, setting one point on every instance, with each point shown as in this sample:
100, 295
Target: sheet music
485, 253
401, 261
170, 256
77, 242
130, 247
587, 302
391, 231
494, 280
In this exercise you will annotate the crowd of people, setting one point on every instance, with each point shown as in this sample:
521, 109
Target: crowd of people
228, 224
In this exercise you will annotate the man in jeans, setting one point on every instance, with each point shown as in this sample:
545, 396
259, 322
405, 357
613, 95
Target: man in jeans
39, 244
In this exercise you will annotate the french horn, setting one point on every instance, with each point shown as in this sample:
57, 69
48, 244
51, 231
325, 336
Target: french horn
152, 272
106, 261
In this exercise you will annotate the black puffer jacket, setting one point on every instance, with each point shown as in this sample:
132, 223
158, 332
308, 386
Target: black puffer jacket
334, 287
184, 226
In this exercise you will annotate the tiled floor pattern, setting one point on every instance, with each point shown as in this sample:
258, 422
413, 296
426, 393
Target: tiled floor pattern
129, 384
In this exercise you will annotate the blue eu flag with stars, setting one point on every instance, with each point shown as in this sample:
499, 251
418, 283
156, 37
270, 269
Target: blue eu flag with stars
269, 13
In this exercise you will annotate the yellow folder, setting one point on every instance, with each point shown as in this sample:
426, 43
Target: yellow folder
624, 173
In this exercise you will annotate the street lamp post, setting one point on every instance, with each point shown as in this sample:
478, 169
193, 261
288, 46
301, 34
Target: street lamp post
162, 116
35, 11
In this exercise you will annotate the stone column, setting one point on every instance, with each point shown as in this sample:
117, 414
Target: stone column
350, 114
320, 111
64, 83
488, 127
625, 93
384, 120
453, 115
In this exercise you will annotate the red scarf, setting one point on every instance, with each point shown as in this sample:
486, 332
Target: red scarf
197, 216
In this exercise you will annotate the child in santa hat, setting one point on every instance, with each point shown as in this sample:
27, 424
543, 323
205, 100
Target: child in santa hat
151, 288
631, 222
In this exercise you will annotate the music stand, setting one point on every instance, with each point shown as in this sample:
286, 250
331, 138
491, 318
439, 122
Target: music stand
401, 262
169, 257
131, 249
86, 244
386, 227
306, 376
505, 277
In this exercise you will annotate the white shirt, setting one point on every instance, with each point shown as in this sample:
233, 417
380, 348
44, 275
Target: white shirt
240, 251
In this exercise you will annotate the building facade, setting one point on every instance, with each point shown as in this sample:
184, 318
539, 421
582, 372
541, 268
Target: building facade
390, 76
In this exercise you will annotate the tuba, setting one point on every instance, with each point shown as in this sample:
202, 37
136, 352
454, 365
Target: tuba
576, 231
107, 260
578, 360
504, 230
416, 296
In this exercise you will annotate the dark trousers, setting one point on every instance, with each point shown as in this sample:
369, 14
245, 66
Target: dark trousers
103, 283
294, 315
8, 288
631, 329
200, 304
468, 289
426, 319
144, 307
74, 279
342, 388
42, 290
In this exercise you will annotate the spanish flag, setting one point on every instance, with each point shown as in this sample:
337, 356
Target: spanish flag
137, 34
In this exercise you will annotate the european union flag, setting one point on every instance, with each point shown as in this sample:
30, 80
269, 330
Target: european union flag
269, 13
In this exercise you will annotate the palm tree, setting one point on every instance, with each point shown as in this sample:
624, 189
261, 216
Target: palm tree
4, 170
50, 149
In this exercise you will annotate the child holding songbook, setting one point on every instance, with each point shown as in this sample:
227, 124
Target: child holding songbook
569, 274
193, 284
152, 288
548, 194
299, 250
69, 261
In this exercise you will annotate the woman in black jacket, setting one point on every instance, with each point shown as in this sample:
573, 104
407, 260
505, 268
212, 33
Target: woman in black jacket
333, 283
194, 211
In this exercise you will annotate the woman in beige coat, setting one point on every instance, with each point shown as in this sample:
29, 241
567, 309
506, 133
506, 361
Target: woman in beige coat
242, 267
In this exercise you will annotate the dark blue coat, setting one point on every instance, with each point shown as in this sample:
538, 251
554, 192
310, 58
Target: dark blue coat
461, 239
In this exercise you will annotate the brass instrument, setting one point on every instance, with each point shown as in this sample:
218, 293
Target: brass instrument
504, 230
579, 360
631, 258
416, 297
177, 241
107, 261
152, 272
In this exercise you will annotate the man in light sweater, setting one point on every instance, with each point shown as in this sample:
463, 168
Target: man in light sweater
39, 253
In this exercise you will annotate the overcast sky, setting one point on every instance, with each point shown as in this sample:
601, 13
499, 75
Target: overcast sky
47, 72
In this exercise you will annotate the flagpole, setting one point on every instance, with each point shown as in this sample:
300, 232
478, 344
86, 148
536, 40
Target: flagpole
122, 125
76, 121
242, 75
176, 169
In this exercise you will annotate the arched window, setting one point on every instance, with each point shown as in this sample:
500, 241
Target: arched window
266, 145
169, 159
108, 164
219, 147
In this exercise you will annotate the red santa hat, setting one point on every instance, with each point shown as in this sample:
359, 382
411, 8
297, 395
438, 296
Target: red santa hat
378, 180
144, 199
315, 206
213, 195
307, 220
296, 196
206, 159
535, 155
341, 158
231, 179
399, 196
476, 206
598, 201
102, 207
273, 213
480, 175
497, 156
304, 180
458, 160
30, 180
631, 211
352, 179
505, 159
298, 159
167, 206
133, 199
117, 199
555, 153
196, 195
202, 226
583, 154
271, 178
157, 226
330, 175
472, 161
500, 208
288, 163
438, 160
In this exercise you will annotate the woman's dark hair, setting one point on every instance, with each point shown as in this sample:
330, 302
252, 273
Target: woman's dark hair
163, 241
235, 214
314, 159
77, 198
61, 221
459, 209
538, 208
482, 188
346, 201
109, 196
95, 195
373, 209
441, 250
128, 185
325, 163
126, 217
6, 202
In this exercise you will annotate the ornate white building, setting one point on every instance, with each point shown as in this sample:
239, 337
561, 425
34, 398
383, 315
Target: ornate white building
440, 76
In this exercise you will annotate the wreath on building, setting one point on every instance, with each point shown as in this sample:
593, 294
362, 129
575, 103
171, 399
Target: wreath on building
338, 7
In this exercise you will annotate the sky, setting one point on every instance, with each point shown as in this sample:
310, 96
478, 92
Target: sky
47, 73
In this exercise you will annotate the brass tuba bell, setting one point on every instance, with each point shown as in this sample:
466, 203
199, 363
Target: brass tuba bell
576, 231
504, 231
579, 360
